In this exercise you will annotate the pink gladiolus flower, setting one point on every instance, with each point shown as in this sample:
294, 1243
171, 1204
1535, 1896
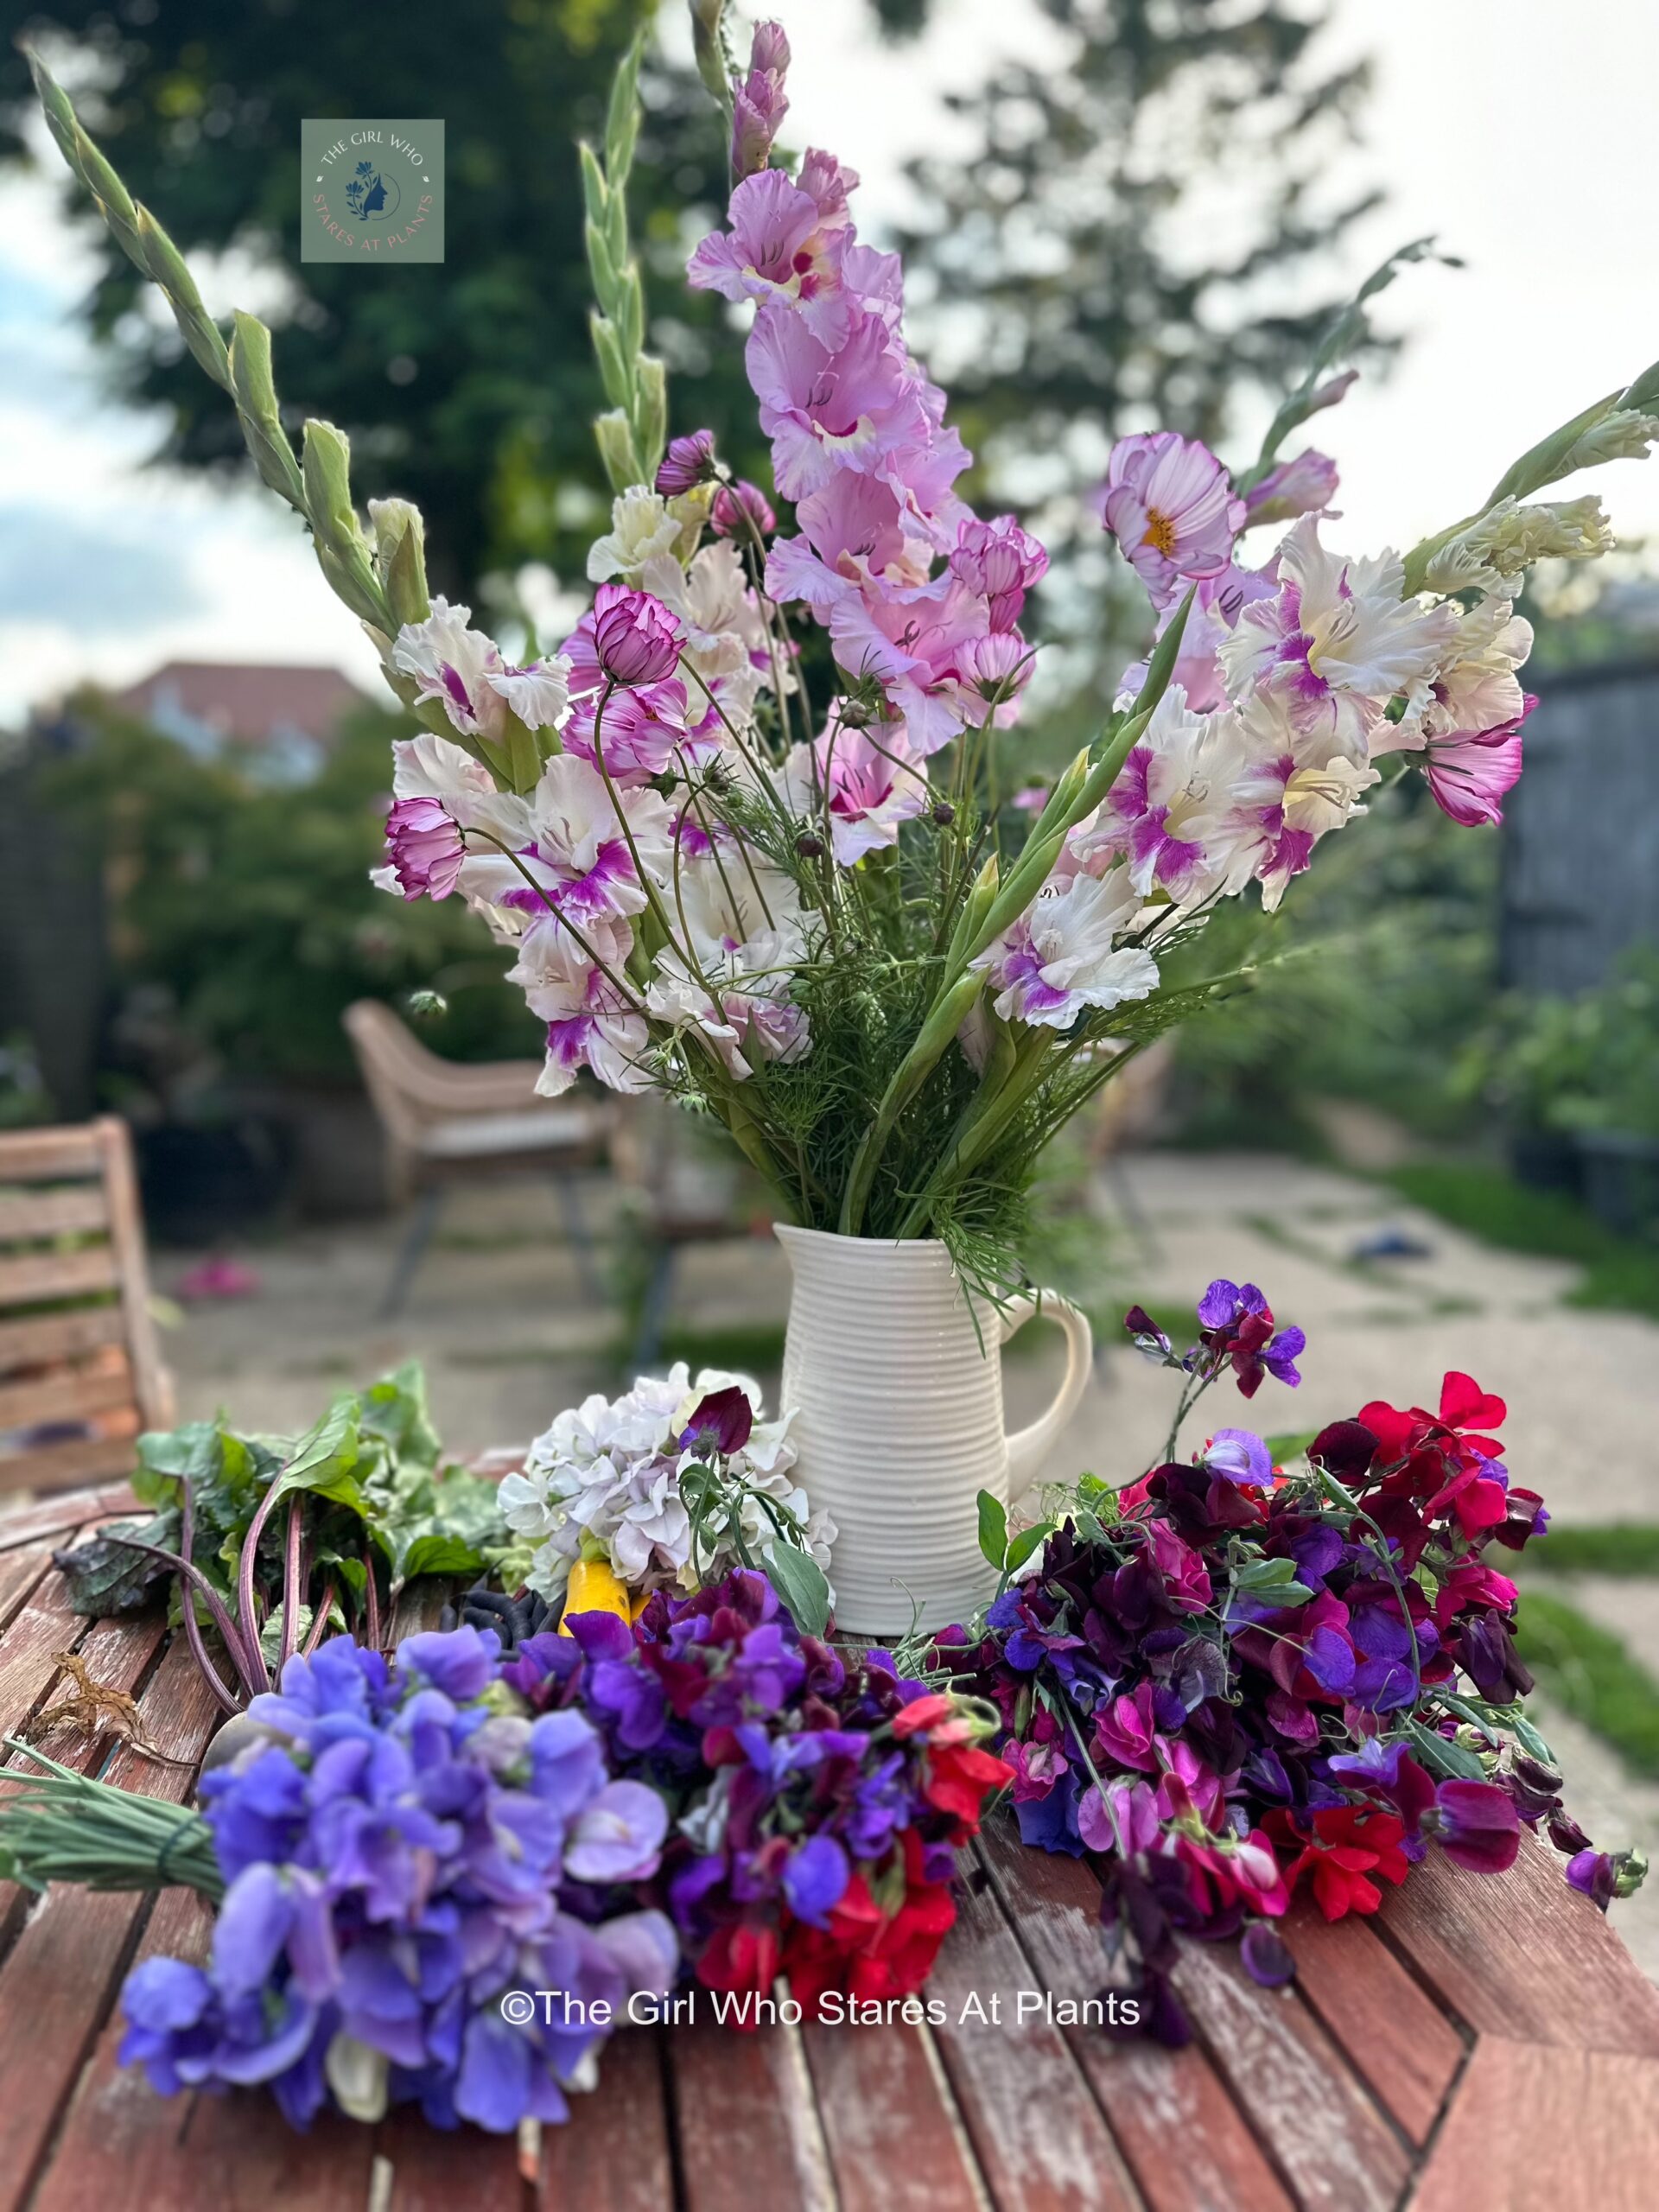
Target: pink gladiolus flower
1001, 562
742, 508
1470, 771
424, 844
827, 408
689, 461
778, 253
758, 106
636, 639
1169, 503
912, 644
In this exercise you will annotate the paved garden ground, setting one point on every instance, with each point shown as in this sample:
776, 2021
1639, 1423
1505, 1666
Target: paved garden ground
499, 1317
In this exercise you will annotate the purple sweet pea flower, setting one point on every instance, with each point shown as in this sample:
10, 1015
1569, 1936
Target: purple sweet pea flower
1389, 1772
721, 1424
1238, 1456
1266, 1956
1478, 1824
618, 1837
460, 1662
816, 1878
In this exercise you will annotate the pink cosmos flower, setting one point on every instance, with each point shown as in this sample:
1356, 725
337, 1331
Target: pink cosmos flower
1470, 771
779, 253
827, 408
424, 848
636, 638
757, 103
1001, 562
1169, 503
868, 781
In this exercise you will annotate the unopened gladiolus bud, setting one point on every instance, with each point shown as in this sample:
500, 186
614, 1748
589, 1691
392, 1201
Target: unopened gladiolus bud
424, 844
759, 103
400, 557
689, 461
742, 509
636, 638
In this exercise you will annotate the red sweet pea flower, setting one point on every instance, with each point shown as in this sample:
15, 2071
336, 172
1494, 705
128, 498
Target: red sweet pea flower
1464, 1406
1351, 1846
741, 1957
959, 1778
865, 1953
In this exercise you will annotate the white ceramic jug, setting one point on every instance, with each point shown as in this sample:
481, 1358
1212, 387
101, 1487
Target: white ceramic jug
898, 1417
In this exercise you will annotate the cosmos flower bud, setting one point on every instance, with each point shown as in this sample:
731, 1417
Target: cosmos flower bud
636, 638
689, 461
742, 509
424, 844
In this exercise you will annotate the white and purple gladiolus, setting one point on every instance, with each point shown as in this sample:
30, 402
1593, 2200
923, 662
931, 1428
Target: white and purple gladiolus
400, 1854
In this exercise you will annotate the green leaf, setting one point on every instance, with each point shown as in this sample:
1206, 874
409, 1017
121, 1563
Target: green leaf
1443, 1757
1530, 1739
1027, 1542
798, 1579
993, 1529
1272, 1579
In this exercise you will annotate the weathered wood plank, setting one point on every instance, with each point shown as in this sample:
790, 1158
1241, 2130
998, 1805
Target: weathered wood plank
1316, 2121
43, 1275
1037, 2134
732, 2088
41, 1155
72, 1393
615, 2151
65, 1512
20, 1570
1534, 2128
59, 1978
1521, 1955
1395, 2038
58, 1336
1153, 2099
441, 2169
63, 1466
39, 1214
895, 2142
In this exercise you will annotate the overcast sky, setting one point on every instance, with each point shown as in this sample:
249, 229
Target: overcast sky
1521, 133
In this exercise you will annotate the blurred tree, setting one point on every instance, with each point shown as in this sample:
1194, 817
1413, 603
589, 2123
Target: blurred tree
468, 387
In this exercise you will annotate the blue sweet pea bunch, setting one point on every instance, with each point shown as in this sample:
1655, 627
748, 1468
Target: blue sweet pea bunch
402, 1848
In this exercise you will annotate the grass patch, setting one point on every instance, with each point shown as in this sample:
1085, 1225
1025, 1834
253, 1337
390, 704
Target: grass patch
1628, 1549
1484, 1202
1589, 1673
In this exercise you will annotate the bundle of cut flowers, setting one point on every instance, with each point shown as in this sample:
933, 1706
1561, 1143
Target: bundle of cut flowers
668, 1487
818, 1799
446, 1880
1232, 1676
816, 909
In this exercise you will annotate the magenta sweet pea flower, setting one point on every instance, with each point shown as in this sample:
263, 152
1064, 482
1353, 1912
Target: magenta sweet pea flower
424, 847
636, 638
689, 461
1170, 504
1478, 1824
720, 1424
1469, 772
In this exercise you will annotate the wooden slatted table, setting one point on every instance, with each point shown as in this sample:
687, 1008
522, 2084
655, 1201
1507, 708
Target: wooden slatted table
1486, 2046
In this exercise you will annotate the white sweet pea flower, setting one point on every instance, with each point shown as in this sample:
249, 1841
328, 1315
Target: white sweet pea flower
641, 526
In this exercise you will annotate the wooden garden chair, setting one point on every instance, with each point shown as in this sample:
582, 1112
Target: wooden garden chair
680, 1193
446, 1122
81, 1374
